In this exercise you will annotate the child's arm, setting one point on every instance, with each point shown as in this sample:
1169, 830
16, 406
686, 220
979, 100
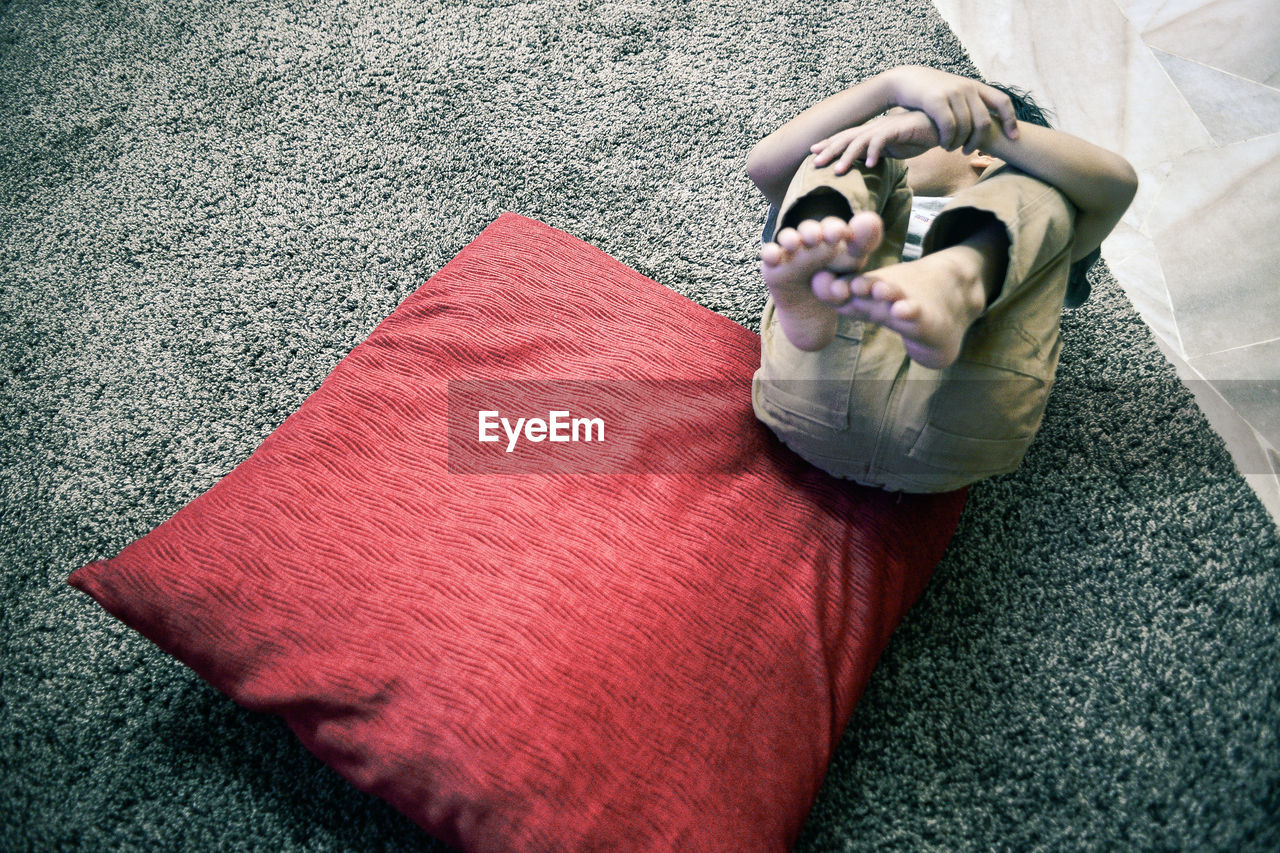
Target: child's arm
959, 107
1100, 183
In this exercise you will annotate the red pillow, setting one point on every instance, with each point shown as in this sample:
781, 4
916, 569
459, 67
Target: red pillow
656, 647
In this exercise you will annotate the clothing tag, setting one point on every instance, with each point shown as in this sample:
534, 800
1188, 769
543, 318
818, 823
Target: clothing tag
924, 209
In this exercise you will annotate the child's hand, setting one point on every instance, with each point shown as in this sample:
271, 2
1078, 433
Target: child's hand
960, 107
899, 133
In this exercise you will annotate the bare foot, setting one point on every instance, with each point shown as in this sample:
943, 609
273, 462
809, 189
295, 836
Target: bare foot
930, 302
807, 271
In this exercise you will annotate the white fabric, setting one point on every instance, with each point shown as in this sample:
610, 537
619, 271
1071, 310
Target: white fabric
924, 209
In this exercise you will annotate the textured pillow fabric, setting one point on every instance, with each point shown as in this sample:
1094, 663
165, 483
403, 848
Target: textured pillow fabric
655, 647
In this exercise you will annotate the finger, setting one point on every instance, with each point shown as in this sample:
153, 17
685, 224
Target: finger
874, 149
1003, 105
856, 148
981, 123
822, 151
823, 145
945, 121
964, 123
831, 147
845, 163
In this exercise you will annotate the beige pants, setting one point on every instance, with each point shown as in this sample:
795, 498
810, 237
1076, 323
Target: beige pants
861, 409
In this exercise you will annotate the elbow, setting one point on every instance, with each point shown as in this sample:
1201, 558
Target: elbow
1115, 191
1127, 180
757, 163
762, 169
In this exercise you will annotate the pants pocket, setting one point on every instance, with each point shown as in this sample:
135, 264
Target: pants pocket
983, 416
980, 457
812, 386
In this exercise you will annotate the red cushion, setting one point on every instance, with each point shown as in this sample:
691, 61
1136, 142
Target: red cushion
654, 649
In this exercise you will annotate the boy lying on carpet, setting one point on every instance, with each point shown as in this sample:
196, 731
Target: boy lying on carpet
928, 369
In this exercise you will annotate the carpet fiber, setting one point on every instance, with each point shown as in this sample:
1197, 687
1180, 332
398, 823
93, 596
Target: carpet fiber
204, 206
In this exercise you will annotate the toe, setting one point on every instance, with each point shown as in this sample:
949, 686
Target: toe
810, 233
859, 309
834, 229
839, 290
772, 254
886, 291
867, 230
830, 288
788, 239
907, 310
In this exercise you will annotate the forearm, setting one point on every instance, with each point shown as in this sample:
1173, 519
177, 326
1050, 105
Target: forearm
775, 159
1100, 183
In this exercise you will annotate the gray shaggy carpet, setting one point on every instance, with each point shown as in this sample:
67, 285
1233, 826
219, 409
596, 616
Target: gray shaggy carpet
207, 204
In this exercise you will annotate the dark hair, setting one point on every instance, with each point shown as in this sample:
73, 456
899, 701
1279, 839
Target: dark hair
1024, 105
